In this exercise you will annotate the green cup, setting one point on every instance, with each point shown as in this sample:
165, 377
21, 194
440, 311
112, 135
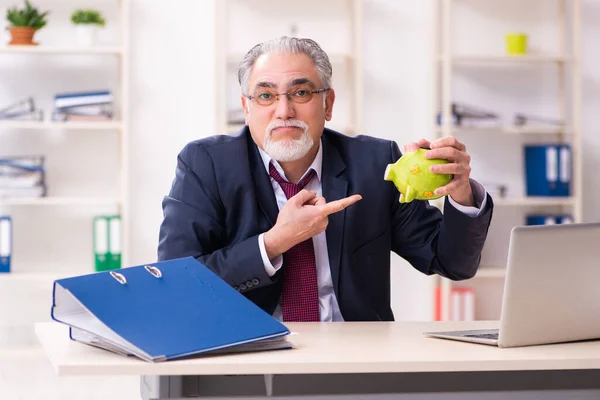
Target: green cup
516, 43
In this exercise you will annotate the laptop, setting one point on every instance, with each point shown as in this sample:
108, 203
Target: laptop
551, 289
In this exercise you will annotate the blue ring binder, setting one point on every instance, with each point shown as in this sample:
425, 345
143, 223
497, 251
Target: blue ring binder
164, 311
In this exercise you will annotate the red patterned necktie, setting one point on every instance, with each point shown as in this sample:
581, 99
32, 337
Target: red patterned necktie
300, 294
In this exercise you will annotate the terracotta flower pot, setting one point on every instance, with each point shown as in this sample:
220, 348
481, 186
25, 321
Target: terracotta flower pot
22, 35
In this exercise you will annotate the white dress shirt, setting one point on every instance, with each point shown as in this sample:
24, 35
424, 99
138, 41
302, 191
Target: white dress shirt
328, 305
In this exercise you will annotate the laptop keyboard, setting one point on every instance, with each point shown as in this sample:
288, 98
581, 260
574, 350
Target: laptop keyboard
484, 336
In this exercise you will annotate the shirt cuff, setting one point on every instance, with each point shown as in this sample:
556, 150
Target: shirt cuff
270, 267
479, 195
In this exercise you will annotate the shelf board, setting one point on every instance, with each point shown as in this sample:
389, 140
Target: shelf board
534, 201
511, 130
59, 201
55, 125
506, 59
43, 49
16, 277
491, 271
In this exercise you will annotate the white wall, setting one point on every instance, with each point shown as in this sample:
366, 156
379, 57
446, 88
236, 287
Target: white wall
398, 89
172, 93
171, 103
590, 106
172, 71
479, 27
85, 164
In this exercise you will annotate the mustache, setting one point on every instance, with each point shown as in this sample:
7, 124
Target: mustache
280, 123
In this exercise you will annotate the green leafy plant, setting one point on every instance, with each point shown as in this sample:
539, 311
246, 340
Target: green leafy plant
28, 17
94, 17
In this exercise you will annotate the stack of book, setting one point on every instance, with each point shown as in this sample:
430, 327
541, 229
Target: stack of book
521, 119
22, 176
468, 116
22, 110
461, 304
83, 106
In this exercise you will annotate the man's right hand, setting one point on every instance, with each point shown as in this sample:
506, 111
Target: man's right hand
302, 217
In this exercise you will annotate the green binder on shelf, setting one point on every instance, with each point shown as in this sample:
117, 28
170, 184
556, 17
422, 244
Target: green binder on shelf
114, 242
107, 242
101, 243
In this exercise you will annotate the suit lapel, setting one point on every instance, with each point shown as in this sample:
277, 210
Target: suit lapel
264, 191
335, 187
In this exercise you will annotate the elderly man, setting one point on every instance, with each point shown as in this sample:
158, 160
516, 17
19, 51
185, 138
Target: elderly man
298, 217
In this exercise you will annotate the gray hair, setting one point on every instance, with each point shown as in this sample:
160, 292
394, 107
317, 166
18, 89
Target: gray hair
286, 44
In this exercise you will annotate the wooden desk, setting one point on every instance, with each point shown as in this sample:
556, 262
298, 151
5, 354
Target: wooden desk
342, 358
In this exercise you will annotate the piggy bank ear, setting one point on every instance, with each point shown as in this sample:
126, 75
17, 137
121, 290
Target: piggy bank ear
389, 173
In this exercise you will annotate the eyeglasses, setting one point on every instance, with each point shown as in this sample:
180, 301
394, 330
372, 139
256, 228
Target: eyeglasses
265, 97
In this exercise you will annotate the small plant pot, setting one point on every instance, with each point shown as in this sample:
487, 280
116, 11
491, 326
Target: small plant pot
86, 34
22, 36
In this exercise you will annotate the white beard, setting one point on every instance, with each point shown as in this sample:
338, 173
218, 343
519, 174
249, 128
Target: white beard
288, 149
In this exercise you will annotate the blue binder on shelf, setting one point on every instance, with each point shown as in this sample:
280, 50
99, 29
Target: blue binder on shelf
548, 170
164, 311
5, 243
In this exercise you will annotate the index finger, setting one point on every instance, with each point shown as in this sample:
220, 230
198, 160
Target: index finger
339, 205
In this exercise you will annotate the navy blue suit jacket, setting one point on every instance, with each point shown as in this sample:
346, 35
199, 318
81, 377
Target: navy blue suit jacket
222, 199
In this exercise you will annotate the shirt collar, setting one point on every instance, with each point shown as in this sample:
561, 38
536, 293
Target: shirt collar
317, 163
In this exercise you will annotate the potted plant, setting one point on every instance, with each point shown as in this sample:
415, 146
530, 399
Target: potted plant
24, 23
87, 23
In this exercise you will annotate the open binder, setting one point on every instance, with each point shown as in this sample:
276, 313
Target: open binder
163, 311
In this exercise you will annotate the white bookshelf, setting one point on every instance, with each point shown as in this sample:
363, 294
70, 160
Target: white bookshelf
350, 130
533, 201
23, 282
564, 60
32, 274
60, 201
69, 125
490, 272
509, 130
60, 50
504, 60
336, 59
25, 277
346, 62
